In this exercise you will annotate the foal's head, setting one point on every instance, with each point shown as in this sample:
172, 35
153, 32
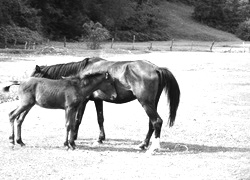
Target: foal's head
102, 81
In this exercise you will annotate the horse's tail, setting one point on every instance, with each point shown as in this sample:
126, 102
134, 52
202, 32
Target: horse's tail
7, 88
169, 83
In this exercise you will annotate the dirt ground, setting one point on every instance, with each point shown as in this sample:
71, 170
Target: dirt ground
210, 139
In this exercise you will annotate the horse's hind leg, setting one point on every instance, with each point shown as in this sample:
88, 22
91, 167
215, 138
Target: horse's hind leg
155, 125
12, 119
19, 127
145, 143
12, 116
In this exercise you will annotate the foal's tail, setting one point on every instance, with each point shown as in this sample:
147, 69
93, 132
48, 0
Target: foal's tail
7, 88
169, 83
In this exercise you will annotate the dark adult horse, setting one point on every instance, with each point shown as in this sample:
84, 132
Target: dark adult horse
139, 80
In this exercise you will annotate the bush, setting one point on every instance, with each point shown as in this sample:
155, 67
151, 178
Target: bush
15, 35
96, 34
243, 31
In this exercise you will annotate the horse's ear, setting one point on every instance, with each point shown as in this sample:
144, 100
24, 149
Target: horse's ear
38, 69
106, 75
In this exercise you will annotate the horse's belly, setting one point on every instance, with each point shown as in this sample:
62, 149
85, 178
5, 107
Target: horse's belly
123, 97
50, 104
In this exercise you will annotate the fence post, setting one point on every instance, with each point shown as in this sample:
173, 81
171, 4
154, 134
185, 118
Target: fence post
64, 41
192, 46
133, 47
172, 43
25, 45
243, 43
5, 42
211, 47
34, 45
150, 46
15, 42
112, 43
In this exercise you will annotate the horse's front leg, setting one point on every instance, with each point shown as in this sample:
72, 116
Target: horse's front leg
70, 114
100, 118
78, 117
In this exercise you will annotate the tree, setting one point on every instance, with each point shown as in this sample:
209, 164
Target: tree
96, 33
222, 14
18, 22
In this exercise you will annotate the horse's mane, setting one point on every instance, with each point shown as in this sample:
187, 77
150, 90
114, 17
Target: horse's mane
93, 75
69, 69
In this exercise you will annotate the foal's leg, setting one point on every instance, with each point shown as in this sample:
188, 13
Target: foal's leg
70, 126
19, 126
79, 115
100, 118
12, 116
12, 119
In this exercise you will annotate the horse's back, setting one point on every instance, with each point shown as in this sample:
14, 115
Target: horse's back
132, 79
139, 77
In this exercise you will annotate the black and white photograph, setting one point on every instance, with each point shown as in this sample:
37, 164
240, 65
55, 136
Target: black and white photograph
125, 89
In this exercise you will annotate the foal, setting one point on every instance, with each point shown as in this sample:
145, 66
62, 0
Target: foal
67, 94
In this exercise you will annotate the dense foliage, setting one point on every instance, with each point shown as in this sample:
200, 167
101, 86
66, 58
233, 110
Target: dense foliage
56, 19
32, 20
227, 15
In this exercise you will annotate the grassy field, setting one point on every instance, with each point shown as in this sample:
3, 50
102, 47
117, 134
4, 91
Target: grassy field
212, 122
180, 25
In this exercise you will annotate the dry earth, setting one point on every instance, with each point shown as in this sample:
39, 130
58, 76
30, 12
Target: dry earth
212, 122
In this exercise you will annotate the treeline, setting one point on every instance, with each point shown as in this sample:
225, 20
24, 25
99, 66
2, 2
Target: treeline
33, 20
22, 20
227, 15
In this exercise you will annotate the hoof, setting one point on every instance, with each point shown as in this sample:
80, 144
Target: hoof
66, 144
101, 138
100, 141
97, 143
72, 145
20, 142
143, 146
11, 140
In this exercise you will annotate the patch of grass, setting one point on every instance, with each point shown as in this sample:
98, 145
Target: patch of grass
180, 25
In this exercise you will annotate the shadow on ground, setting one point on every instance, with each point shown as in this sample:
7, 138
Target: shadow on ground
128, 145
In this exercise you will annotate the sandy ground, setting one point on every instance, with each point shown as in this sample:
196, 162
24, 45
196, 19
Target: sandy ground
212, 122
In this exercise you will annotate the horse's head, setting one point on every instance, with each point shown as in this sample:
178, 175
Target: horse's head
40, 72
106, 87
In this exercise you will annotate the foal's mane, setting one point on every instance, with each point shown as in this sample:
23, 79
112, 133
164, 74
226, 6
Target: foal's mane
68, 69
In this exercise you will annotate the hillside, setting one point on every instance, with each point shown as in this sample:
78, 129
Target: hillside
181, 26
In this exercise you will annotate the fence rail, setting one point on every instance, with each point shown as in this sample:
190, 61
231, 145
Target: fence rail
191, 46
